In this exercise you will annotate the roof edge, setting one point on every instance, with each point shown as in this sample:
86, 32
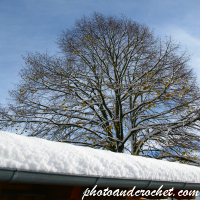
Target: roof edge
15, 175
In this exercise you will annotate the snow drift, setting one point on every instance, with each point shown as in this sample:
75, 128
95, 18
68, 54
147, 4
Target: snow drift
35, 154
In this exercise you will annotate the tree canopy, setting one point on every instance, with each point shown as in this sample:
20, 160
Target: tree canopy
113, 86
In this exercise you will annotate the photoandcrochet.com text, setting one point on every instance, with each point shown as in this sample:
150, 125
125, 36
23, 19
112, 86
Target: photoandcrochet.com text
138, 193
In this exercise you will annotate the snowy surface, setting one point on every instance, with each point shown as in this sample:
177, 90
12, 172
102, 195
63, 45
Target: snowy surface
34, 154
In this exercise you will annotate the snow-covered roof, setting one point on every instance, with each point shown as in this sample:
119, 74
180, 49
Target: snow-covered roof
40, 155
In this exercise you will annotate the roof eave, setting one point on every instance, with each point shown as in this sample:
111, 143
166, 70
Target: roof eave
14, 175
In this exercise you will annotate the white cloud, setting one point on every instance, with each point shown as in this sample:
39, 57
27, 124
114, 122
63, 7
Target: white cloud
192, 43
187, 41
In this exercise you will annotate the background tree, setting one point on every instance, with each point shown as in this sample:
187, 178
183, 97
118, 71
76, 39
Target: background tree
116, 87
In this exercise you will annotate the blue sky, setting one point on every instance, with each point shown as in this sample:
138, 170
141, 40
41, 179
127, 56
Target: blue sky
34, 25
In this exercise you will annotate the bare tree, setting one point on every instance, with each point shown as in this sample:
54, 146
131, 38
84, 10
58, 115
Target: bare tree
116, 87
